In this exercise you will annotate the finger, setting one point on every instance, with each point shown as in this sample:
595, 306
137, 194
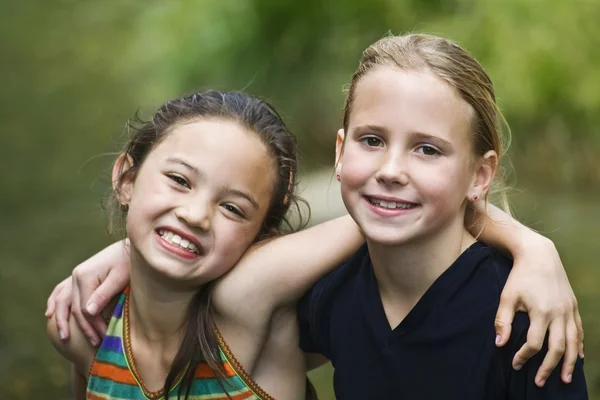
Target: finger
504, 319
63, 306
571, 352
51, 303
85, 326
580, 332
556, 349
99, 324
111, 286
535, 340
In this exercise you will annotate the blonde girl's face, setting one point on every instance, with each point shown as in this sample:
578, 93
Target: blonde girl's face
199, 200
406, 165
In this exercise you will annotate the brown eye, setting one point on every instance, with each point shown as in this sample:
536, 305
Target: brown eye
428, 150
179, 180
233, 209
372, 141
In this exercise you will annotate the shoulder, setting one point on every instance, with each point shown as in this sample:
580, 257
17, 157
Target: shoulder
316, 306
76, 349
488, 262
344, 276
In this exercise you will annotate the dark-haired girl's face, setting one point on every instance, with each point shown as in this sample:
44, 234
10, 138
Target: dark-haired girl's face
199, 200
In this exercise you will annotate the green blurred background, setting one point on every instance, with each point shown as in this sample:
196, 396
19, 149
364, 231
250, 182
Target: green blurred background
73, 72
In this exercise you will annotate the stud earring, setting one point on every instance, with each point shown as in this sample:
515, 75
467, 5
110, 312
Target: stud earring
337, 176
475, 198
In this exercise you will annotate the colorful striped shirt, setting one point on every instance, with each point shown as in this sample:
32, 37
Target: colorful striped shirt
113, 374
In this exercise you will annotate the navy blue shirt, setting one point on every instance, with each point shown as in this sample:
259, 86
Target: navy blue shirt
443, 349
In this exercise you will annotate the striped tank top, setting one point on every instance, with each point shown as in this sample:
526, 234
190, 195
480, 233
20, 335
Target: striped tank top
113, 374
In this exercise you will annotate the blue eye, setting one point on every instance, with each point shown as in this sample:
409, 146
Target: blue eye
372, 141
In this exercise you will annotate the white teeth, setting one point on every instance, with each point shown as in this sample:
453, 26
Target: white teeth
176, 239
387, 204
390, 204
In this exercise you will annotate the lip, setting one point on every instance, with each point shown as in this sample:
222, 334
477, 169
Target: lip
389, 212
177, 250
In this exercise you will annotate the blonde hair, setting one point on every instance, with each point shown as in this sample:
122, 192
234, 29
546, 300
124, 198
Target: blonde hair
447, 60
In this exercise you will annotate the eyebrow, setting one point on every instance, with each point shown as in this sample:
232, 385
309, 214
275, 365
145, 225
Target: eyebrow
240, 193
185, 164
370, 127
428, 137
225, 189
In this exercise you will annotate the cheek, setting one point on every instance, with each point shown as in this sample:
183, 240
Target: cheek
444, 182
356, 170
234, 239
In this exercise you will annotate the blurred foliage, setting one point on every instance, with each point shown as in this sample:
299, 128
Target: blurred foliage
73, 72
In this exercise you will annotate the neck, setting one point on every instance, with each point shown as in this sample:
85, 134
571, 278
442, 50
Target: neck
404, 272
157, 306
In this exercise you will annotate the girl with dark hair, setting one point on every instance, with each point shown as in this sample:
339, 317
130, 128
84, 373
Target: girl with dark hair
209, 175
250, 312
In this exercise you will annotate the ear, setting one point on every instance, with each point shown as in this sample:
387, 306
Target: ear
122, 182
339, 150
484, 175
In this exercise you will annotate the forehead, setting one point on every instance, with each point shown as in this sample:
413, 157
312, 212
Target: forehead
410, 101
223, 151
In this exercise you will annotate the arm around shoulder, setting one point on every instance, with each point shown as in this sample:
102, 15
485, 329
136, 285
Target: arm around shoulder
278, 272
522, 382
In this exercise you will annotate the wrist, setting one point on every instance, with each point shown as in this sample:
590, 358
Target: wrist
528, 240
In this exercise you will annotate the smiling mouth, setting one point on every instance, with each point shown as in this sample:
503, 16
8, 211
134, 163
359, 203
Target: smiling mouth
390, 205
177, 240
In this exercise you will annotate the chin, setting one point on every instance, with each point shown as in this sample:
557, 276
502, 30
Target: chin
388, 236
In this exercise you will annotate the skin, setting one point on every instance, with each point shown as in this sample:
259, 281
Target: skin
253, 317
214, 190
397, 149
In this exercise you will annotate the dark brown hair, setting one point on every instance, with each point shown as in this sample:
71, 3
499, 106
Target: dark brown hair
199, 343
458, 68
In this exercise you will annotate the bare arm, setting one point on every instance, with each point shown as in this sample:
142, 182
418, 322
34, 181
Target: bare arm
537, 284
314, 360
88, 290
76, 349
79, 384
278, 272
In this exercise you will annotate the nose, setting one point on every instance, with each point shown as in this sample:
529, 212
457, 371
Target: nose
393, 170
196, 213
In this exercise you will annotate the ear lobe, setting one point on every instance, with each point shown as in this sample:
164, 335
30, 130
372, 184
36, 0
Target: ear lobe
484, 174
122, 182
339, 150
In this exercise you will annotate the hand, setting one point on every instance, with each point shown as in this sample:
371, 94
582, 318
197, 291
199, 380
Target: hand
59, 303
539, 286
93, 284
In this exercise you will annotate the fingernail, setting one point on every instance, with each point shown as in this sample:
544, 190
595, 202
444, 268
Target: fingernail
61, 334
541, 382
498, 339
518, 367
93, 342
92, 308
569, 378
